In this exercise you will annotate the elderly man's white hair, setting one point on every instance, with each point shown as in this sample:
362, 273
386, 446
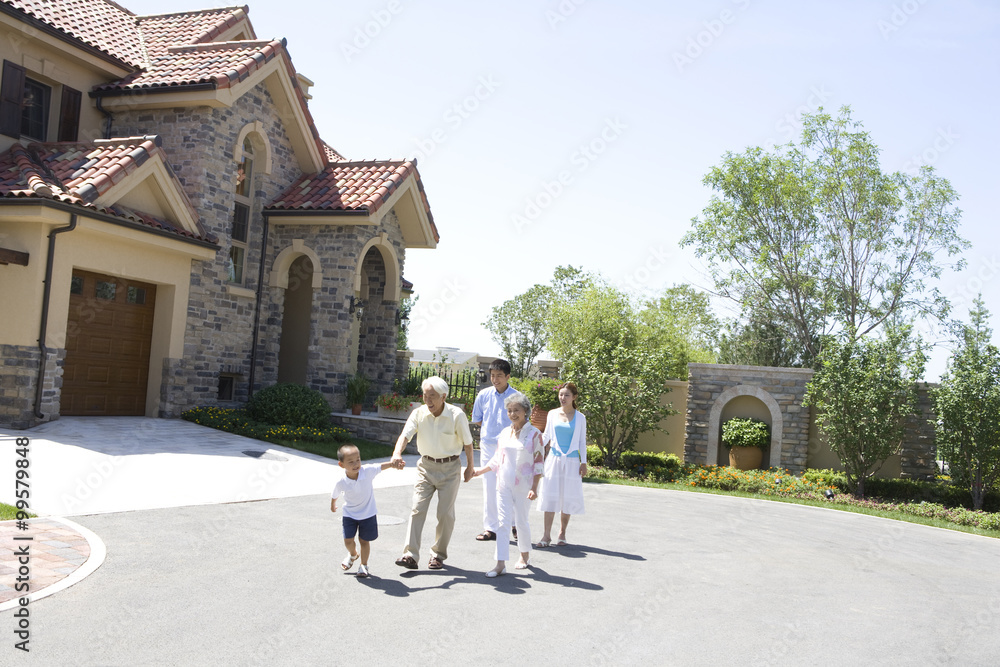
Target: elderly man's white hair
435, 383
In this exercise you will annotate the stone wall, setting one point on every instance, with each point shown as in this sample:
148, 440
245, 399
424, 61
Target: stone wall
918, 459
18, 382
711, 386
374, 428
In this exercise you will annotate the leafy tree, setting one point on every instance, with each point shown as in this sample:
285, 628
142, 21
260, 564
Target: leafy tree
759, 341
823, 238
617, 363
968, 408
863, 391
518, 325
682, 321
405, 308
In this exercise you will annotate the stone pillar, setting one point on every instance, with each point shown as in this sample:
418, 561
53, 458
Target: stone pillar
918, 455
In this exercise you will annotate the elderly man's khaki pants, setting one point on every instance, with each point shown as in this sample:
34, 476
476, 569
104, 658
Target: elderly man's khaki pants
445, 479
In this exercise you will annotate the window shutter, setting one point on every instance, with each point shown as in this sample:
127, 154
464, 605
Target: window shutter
69, 114
11, 92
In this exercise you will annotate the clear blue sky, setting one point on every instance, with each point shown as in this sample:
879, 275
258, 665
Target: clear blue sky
606, 116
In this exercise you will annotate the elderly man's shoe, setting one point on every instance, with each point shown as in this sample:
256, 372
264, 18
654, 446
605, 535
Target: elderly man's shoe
407, 561
435, 563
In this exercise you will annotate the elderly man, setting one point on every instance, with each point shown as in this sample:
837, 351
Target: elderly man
442, 432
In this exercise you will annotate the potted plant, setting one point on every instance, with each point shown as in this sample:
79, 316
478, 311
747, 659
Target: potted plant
746, 440
544, 396
394, 406
357, 388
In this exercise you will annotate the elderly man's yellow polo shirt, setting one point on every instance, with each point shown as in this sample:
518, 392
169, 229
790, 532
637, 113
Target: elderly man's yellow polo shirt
441, 436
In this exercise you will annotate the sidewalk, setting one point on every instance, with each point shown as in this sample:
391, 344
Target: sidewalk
60, 553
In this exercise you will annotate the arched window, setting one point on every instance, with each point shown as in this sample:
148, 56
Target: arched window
242, 206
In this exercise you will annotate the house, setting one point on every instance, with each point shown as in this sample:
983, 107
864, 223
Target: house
447, 359
173, 230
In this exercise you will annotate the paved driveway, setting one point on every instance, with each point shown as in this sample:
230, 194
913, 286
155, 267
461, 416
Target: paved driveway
651, 577
92, 465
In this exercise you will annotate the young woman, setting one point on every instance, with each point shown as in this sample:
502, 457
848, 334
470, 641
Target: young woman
565, 441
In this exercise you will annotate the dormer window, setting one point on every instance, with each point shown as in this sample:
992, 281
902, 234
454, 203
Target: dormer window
241, 214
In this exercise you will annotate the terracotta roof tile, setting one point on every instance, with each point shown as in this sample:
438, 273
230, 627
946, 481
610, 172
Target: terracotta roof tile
332, 155
219, 63
164, 30
362, 186
80, 172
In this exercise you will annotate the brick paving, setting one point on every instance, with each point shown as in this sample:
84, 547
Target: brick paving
56, 551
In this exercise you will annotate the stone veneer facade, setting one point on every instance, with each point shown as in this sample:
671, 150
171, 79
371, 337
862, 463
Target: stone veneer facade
782, 390
18, 380
711, 386
200, 144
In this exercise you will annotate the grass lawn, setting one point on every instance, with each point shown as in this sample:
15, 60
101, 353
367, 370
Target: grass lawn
8, 512
899, 516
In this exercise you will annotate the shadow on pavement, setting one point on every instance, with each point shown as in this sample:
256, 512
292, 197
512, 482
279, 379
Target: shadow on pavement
509, 583
582, 550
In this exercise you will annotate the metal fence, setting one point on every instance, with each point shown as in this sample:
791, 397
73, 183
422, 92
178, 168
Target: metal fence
463, 385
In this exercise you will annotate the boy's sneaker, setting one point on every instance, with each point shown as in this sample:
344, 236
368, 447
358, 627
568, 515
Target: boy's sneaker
363, 572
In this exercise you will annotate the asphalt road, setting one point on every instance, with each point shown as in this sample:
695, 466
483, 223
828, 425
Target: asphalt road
651, 577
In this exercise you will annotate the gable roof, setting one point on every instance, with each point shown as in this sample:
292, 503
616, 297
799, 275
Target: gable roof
100, 24
357, 188
79, 173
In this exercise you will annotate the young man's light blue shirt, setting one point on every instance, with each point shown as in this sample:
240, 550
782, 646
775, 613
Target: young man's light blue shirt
489, 410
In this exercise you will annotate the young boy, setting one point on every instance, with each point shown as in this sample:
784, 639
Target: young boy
359, 505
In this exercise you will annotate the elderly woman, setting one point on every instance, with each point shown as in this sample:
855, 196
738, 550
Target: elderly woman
518, 467
565, 464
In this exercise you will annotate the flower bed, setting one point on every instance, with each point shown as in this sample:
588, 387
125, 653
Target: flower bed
813, 485
235, 420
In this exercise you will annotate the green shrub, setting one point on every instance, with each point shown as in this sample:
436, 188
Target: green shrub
289, 405
739, 432
595, 456
238, 422
543, 393
827, 477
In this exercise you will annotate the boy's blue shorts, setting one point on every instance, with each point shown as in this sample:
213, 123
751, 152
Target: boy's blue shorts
366, 529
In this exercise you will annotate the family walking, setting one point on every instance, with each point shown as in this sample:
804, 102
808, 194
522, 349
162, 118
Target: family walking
519, 464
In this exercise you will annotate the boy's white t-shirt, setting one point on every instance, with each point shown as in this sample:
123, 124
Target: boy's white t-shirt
359, 495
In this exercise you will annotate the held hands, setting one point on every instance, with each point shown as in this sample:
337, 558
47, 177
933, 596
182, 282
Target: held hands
532, 495
469, 473
398, 463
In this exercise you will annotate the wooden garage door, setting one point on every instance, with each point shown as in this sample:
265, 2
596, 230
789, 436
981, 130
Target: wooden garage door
107, 346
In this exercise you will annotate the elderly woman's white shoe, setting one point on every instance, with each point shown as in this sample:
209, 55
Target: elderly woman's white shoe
493, 573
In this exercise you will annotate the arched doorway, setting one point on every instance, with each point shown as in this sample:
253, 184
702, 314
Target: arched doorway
744, 401
296, 325
373, 327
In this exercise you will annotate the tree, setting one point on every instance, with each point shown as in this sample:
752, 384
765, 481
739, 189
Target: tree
863, 391
825, 240
759, 341
968, 408
617, 364
518, 325
402, 334
682, 321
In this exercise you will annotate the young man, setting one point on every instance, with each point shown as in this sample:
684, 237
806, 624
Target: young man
488, 411
442, 432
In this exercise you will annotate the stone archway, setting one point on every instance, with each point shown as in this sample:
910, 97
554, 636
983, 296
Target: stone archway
296, 323
715, 421
373, 329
